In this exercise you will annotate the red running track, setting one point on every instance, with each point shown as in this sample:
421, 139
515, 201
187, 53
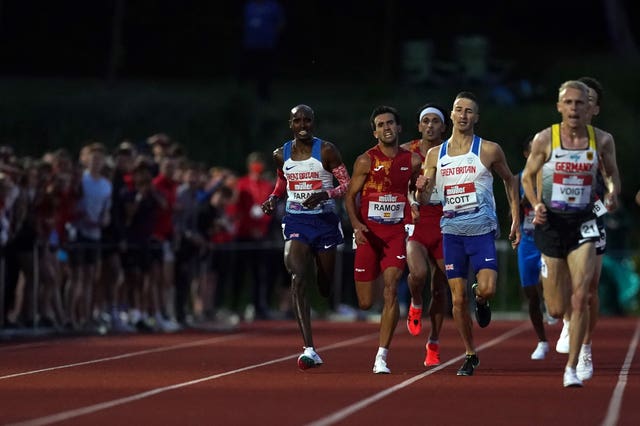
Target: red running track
249, 376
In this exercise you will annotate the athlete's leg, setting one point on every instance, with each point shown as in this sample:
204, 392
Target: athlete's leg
486, 289
461, 316
554, 275
581, 262
529, 270
438, 305
416, 261
594, 300
296, 259
532, 292
390, 310
325, 265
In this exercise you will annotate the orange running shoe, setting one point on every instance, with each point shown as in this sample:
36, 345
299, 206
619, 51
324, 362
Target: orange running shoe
414, 320
433, 355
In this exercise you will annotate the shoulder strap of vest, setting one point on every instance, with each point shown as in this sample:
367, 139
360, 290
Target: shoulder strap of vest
592, 136
555, 137
475, 145
286, 151
316, 150
443, 149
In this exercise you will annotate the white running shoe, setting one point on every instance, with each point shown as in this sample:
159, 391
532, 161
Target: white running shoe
541, 351
562, 345
309, 359
570, 379
584, 369
380, 366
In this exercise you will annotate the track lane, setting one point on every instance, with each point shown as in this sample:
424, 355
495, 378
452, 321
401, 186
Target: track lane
274, 392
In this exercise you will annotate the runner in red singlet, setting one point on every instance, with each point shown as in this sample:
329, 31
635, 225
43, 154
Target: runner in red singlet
424, 245
381, 177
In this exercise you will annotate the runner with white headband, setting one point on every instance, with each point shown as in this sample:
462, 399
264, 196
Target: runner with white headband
424, 244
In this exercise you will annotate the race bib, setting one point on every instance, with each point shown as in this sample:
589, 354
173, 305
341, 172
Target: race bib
599, 209
570, 192
435, 198
460, 198
528, 227
409, 228
589, 229
386, 209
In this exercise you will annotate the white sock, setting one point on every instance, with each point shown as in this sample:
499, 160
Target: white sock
586, 348
414, 306
382, 352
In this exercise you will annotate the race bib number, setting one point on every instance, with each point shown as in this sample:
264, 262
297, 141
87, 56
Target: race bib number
589, 229
460, 198
599, 209
435, 198
528, 227
409, 228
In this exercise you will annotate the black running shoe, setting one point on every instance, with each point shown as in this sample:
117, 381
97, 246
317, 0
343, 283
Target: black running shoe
470, 363
483, 311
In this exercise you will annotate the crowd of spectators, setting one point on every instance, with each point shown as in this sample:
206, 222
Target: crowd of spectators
136, 238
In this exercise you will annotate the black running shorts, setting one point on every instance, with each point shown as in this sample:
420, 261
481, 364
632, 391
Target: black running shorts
561, 234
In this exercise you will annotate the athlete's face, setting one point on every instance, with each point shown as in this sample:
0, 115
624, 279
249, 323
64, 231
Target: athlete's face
432, 128
594, 108
302, 123
464, 114
387, 129
573, 105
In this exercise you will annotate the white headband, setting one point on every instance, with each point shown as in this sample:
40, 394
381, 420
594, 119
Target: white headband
432, 110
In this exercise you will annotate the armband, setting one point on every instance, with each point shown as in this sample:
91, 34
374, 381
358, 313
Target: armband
281, 185
342, 175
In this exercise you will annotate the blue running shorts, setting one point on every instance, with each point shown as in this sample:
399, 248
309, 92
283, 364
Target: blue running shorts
528, 262
460, 250
320, 231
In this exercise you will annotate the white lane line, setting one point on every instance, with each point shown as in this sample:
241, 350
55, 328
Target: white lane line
350, 409
66, 415
128, 355
615, 404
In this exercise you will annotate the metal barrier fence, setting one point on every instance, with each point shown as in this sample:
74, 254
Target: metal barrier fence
508, 295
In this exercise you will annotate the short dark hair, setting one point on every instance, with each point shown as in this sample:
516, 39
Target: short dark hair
383, 109
594, 84
467, 95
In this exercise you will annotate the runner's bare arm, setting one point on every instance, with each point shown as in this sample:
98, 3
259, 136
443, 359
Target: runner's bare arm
361, 169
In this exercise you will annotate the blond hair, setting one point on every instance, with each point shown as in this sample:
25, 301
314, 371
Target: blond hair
573, 84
